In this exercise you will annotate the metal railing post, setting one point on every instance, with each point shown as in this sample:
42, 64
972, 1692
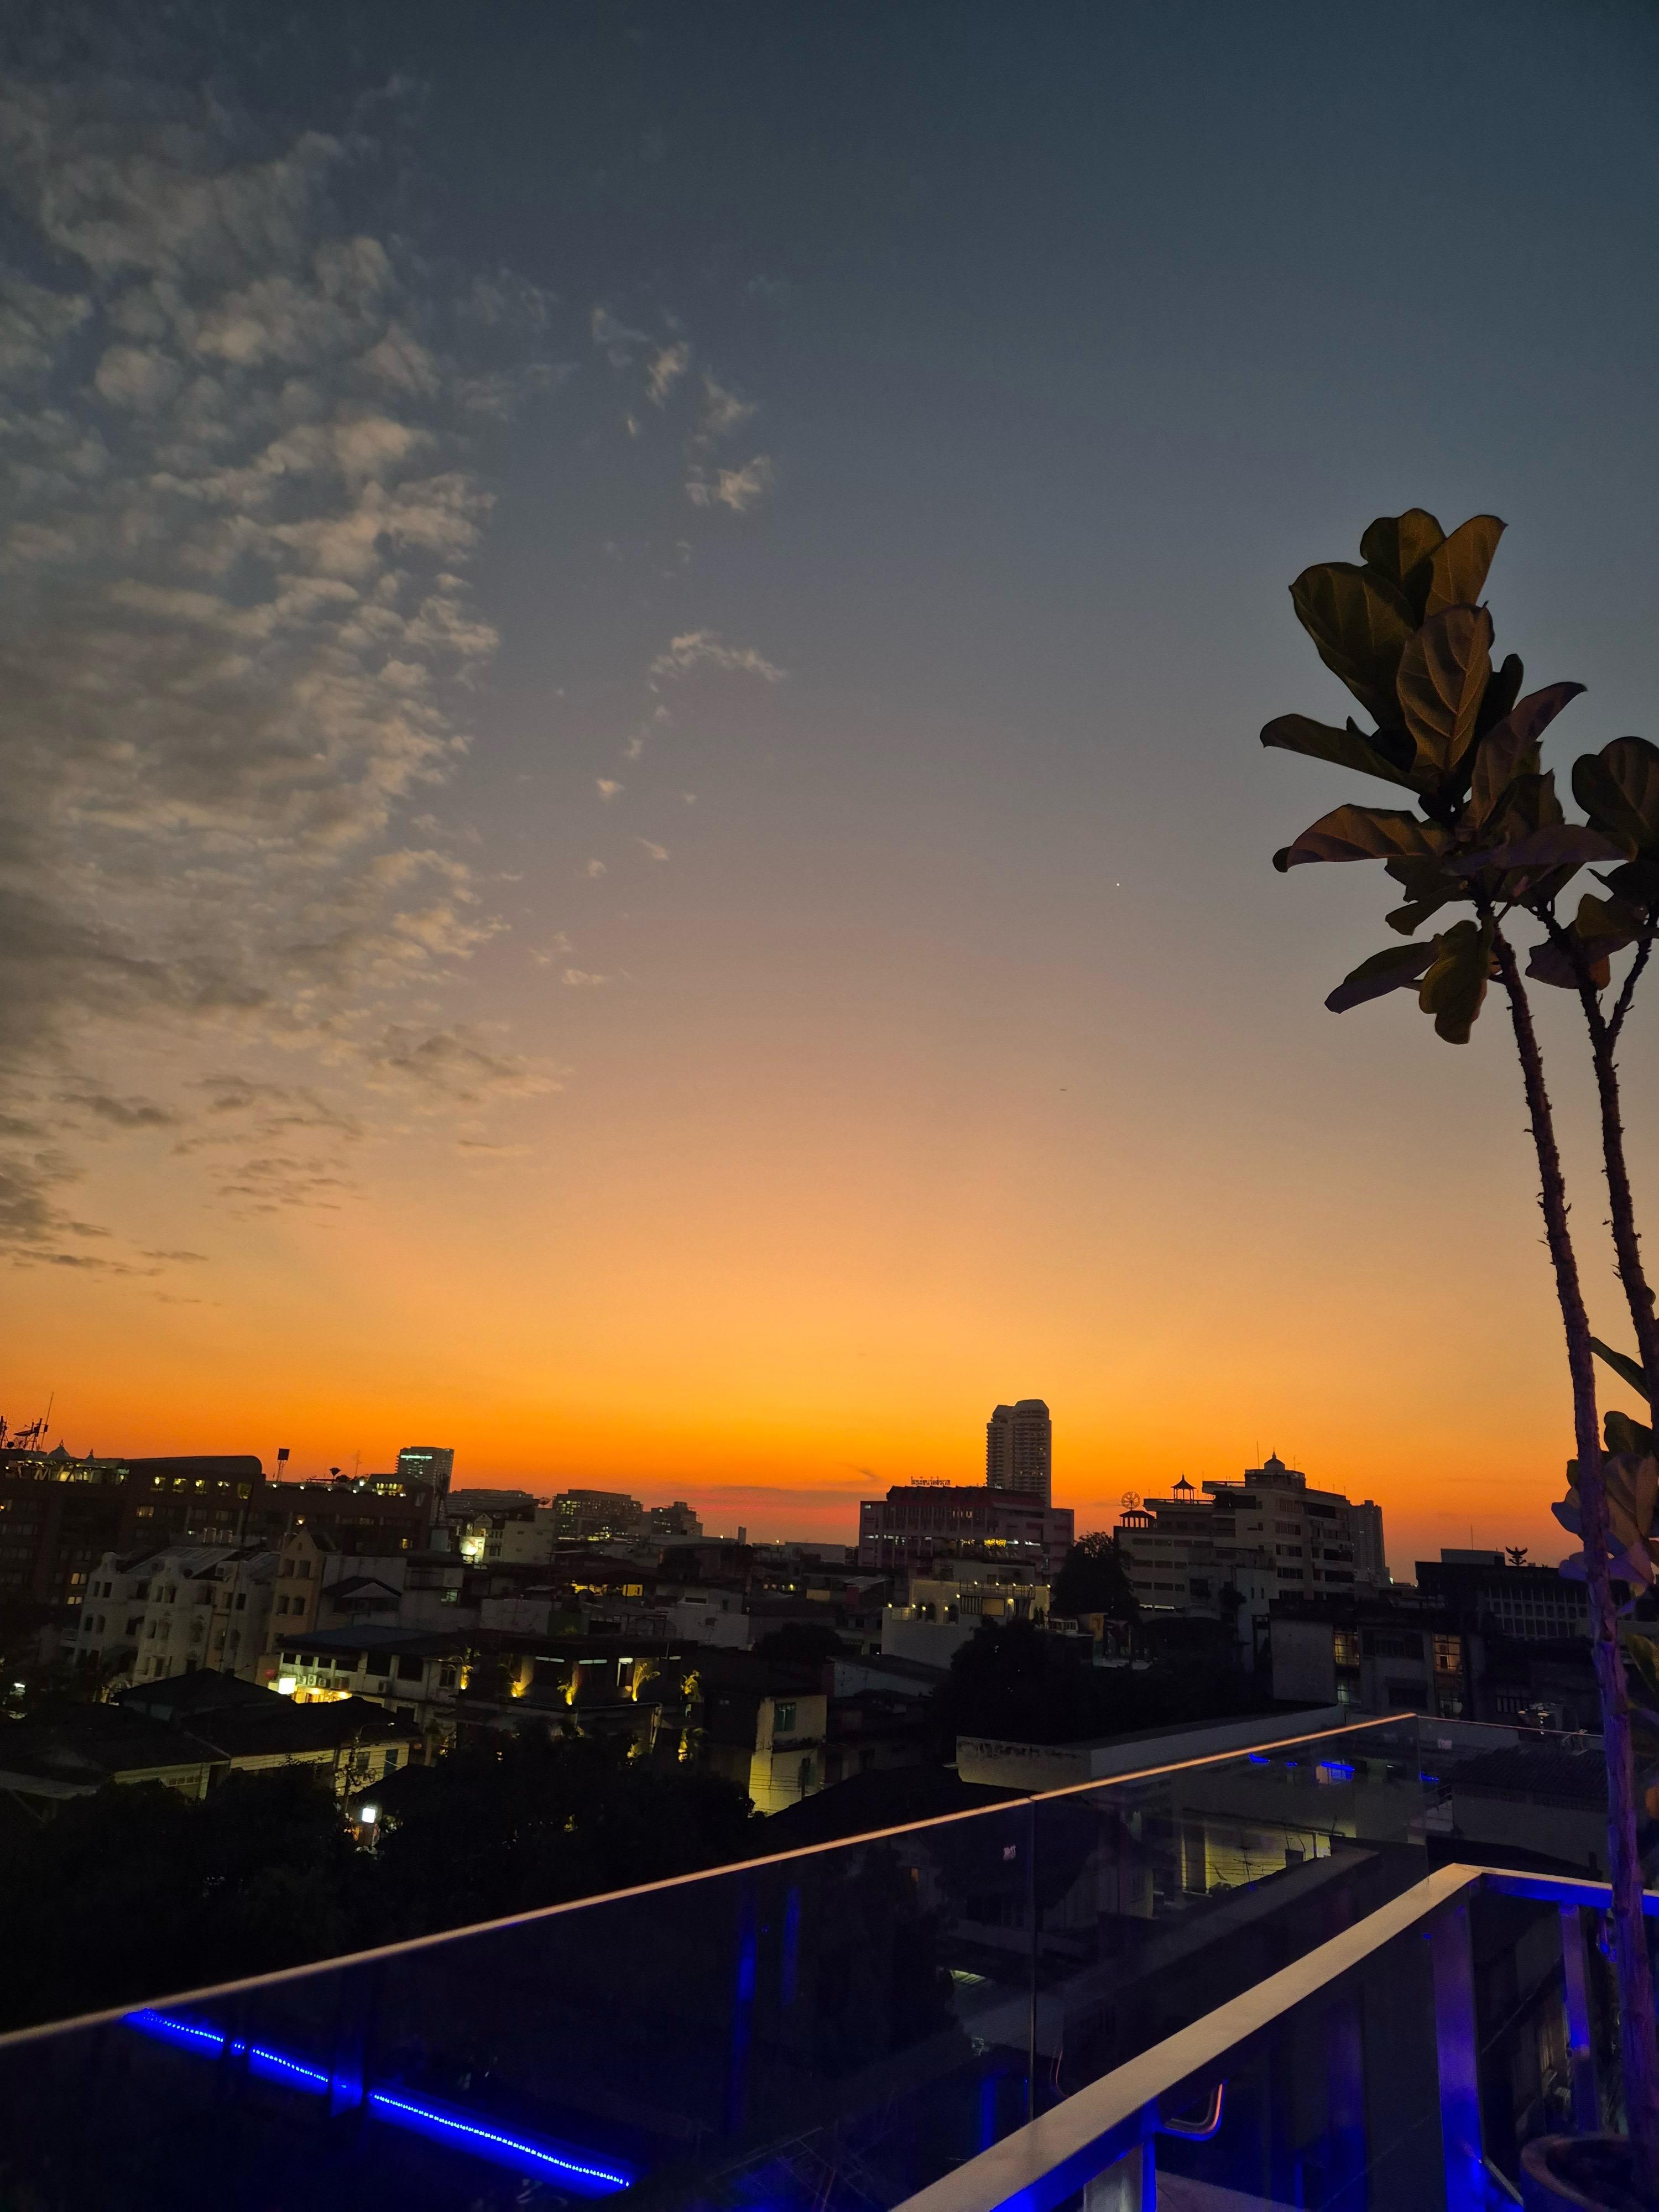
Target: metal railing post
1581, 2047
1452, 1957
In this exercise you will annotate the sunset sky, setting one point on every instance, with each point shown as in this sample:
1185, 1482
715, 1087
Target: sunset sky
631, 831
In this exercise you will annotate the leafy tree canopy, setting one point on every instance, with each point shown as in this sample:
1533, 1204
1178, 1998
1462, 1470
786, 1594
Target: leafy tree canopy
1091, 1579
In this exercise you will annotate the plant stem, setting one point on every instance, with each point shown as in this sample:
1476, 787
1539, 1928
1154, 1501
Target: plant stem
1639, 2050
1626, 1244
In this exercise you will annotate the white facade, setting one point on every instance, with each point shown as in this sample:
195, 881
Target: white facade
304, 1570
196, 1606
1267, 1535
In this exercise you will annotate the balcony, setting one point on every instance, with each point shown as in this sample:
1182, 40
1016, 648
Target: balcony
1227, 1985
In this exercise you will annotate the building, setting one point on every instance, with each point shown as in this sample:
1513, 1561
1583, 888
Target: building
59, 1516
580, 1514
765, 1726
920, 1521
152, 1615
1537, 1604
312, 1569
370, 1515
1261, 1538
675, 1520
1406, 1654
1019, 1450
417, 1673
432, 1464
349, 1743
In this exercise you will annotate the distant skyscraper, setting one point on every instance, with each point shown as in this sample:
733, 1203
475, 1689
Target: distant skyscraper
1020, 1450
432, 1464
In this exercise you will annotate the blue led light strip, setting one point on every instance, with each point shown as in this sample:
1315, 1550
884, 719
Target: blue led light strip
398, 2112
426, 2118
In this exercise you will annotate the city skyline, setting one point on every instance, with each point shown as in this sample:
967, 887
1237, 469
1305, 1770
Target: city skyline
639, 833
830, 1513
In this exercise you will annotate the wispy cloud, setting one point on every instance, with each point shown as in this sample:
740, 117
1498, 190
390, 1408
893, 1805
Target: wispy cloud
666, 368
737, 489
696, 649
238, 643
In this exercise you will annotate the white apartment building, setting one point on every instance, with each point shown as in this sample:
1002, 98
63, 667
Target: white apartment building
317, 1585
196, 1605
1267, 1536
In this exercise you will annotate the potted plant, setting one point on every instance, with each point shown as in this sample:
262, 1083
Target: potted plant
1407, 630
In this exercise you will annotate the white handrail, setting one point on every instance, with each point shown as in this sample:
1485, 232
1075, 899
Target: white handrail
1045, 2161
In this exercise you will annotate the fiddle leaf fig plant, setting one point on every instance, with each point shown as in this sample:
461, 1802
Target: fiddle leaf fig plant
1407, 632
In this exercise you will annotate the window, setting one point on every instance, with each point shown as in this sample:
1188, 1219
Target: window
240, 1603
783, 1720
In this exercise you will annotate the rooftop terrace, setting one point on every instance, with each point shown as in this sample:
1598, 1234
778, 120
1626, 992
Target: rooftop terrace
1240, 1973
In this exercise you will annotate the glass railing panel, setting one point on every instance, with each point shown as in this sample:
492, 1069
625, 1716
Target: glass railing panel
1335, 2106
837, 2027
1160, 1898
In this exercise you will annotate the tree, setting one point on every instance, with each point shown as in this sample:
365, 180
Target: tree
512, 1823
1017, 1682
1406, 632
803, 1644
1091, 1580
121, 1896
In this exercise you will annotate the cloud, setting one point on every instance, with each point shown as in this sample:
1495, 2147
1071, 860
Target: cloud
657, 852
608, 788
453, 1064
696, 649
722, 412
595, 868
121, 1113
737, 489
239, 505
615, 340
194, 1259
665, 370
582, 979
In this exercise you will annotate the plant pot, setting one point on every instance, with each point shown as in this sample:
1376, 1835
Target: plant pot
1579, 2174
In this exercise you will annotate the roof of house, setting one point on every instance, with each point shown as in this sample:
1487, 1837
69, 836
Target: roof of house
370, 1636
884, 1798
86, 1746
285, 1729
205, 1690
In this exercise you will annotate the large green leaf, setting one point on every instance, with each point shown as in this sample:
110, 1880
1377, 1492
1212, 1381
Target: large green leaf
1455, 986
1402, 549
1552, 845
1393, 970
1346, 748
1500, 694
1361, 625
1510, 749
1428, 888
1458, 567
1443, 669
1364, 833
1619, 789
1628, 1370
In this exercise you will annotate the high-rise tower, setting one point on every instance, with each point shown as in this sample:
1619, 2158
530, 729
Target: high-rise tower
432, 1464
1019, 1450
